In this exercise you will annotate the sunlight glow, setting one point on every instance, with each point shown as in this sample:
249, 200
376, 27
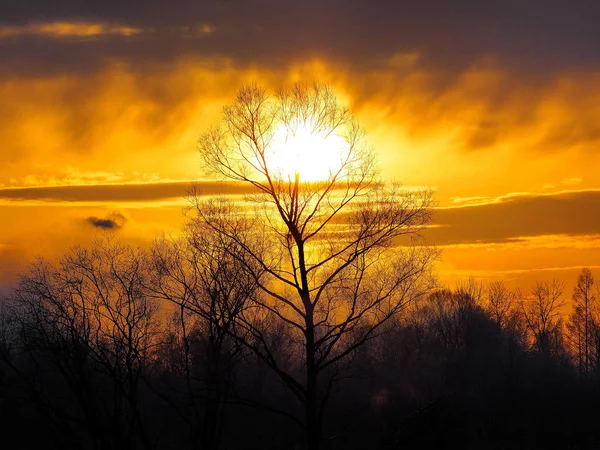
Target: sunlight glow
304, 149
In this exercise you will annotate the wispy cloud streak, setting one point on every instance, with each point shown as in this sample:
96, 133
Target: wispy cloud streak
68, 30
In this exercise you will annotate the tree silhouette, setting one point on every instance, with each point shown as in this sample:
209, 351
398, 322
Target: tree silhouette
542, 312
501, 303
334, 258
86, 321
211, 289
583, 323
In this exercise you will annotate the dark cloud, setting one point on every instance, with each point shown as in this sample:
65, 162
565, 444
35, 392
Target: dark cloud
535, 35
120, 193
514, 218
113, 222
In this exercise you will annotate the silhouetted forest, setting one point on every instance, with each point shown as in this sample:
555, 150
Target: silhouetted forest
105, 348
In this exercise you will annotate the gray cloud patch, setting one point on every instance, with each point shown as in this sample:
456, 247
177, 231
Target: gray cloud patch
113, 222
121, 192
534, 34
574, 213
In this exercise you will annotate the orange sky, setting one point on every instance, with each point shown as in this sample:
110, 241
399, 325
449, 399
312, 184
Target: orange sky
513, 158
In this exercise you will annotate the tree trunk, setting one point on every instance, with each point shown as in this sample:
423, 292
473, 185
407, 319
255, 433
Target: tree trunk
211, 425
313, 431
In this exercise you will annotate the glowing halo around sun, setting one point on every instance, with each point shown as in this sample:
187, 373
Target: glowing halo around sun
304, 149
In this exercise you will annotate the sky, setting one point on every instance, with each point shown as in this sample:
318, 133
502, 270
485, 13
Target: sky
493, 104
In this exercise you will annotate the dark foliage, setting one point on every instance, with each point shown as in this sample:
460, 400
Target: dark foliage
82, 368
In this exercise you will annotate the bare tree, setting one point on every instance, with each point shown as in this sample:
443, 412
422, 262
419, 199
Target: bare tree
335, 258
583, 322
89, 313
211, 290
447, 313
542, 312
501, 303
470, 289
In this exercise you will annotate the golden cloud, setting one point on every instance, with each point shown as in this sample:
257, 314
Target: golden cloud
470, 131
68, 29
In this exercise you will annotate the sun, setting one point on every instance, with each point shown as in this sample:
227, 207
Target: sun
305, 150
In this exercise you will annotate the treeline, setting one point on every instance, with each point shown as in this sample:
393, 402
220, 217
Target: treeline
114, 347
